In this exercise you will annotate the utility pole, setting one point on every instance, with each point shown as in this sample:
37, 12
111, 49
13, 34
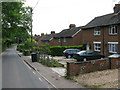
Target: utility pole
31, 24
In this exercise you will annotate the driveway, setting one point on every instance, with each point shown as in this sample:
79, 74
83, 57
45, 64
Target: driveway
63, 60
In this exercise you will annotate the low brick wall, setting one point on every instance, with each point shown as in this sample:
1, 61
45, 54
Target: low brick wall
74, 68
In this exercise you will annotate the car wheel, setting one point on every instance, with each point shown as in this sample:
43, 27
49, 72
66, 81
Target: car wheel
84, 59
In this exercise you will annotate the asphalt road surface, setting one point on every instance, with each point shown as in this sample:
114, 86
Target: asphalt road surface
17, 74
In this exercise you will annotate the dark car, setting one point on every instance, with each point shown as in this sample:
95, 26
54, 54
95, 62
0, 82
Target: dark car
87, 55
70, 52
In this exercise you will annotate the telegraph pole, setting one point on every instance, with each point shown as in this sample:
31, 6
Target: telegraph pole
31, 24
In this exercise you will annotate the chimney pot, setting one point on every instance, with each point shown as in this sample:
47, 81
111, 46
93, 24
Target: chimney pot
72, 26
52, 32
42, 34
116, 8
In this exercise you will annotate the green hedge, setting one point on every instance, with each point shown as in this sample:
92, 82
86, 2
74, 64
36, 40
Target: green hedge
58, 50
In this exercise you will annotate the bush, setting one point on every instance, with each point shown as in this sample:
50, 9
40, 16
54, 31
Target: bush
58, 50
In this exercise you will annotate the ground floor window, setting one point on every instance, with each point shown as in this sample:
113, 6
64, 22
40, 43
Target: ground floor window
97, 46
113, 46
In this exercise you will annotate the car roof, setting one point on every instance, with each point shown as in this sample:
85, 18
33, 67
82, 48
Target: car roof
84, 51
72, 49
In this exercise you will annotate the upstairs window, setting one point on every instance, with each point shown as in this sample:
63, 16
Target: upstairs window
97, 31
113, 30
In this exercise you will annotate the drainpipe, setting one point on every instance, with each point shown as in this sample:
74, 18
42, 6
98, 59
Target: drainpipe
103, 43
60, 41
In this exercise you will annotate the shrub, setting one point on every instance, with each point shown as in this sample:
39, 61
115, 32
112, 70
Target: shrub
58, 50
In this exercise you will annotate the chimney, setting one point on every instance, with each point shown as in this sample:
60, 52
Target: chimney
72, 26
116, 8
52, 32
42, 34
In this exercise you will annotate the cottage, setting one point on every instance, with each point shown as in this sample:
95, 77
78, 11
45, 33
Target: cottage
102, 34
69, 37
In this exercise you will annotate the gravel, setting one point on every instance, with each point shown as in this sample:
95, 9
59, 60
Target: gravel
99, 79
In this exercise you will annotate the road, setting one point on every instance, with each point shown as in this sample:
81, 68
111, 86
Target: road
17, 74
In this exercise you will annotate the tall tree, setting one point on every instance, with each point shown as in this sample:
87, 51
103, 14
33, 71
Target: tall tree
16, 20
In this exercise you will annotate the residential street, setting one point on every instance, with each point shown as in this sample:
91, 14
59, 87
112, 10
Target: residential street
16, 74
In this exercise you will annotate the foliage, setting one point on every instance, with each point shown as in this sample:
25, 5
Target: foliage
15, 22
50, 62
28, 44
68, 77
45, 49
58, 50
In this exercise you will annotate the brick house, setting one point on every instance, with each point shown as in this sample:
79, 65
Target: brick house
48, 39
39, 38
102, 34
69, 37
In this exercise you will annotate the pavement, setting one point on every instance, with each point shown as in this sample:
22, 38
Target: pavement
54, 76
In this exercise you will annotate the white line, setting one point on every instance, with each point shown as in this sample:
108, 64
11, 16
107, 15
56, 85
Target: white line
34, 72
26, 65
40, 79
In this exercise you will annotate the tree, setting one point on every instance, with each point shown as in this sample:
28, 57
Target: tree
16, 21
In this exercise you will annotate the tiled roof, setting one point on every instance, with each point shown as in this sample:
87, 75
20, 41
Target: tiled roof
68, 32
109, 19
48, 37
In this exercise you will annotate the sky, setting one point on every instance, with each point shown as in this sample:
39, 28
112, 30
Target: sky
56, 15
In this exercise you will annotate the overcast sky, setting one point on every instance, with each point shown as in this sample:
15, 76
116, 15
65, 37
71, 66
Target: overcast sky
56, 15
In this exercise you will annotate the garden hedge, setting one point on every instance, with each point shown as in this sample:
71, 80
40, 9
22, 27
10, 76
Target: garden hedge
58, 50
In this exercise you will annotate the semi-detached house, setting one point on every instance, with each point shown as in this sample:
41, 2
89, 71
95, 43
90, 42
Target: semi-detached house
102, 34
69, 37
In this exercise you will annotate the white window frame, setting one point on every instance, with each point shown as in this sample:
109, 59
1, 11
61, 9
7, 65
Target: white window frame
113, 30
64, 40
97, 31
113, 47
97, 46
59, 40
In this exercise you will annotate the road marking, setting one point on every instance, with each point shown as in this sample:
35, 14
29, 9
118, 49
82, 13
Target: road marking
26, 65
34, 72
40, 79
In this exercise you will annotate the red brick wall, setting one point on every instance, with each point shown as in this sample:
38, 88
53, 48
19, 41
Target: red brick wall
104, 38
76, 40
74, 68
115, 63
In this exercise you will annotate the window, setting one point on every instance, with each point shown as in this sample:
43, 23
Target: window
97, 31
64, 40
113, 30
59, 40
113, 46
97, 46
46, 42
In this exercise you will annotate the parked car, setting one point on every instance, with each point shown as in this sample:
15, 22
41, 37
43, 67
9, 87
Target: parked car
68, 53
114, 55
87, 55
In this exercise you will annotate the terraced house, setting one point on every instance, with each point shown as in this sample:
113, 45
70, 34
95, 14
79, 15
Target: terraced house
102, 34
